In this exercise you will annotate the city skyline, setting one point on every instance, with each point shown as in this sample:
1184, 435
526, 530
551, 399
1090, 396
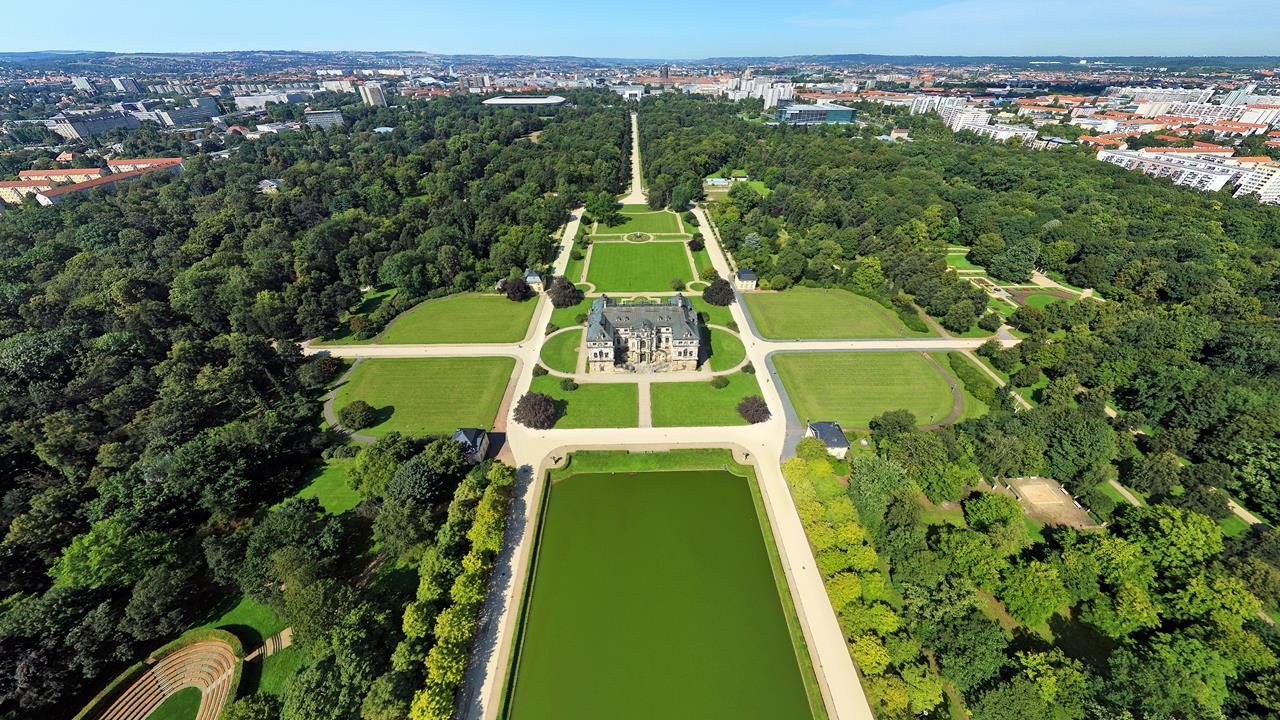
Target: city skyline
663, 29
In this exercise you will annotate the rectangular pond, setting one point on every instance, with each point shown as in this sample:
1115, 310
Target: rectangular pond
654, 597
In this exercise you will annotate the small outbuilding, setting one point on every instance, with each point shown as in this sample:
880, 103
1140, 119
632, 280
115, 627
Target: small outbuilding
745, 279
831, 435
474, 442
533, 279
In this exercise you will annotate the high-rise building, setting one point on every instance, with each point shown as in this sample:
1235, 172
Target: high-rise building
372, 95
125, 85
1263, 181
956, 115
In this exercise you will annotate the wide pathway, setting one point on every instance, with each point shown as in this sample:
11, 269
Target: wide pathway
635, 194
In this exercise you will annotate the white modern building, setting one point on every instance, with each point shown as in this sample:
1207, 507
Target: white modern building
1202, 172
1157, 94
1263, 181
922, 104
956, 115
372, 95
1001, 133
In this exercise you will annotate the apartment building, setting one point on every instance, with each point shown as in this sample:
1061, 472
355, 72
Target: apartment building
1001, 133
371, 94
1263, 181
13, 192
323, 119
956, 115
61, 175
84, 126
1200, 171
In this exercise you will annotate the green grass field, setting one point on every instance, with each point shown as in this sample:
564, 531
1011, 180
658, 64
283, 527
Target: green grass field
329, 485
249, 620
568, 316
278, 669
463, 318
960, 261
561, 352
604, 405
1042, 300
852, 388
182, 705
637, 267
428, 396
639, 218
726, 350
369, 302
716, 314
654, 597
810, 313
695, 404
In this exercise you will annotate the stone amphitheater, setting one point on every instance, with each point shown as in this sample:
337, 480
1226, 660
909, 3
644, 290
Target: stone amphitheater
207, 666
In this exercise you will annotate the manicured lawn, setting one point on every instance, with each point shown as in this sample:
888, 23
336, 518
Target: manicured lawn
852, 388
638, 267
1041, 300
329, 485
249, 620
1233, 526
701, 260
568, 316
428, 396
811, 313
462, 318
369, 302
561, 351
655, 598
642, 219
573, 268
726, 350
278, 669
604, 405
692, 404
609, 461
960, 261
716, 314
182, 705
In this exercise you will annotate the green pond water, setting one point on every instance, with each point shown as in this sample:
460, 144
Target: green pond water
654, 598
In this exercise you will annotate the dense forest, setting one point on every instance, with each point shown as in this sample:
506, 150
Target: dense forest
154, 407
1171, 386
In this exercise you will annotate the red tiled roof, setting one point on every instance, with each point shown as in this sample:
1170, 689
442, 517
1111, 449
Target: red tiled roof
1253, 159
52, 173
104, 180
24, 183
149, 161
1101, 141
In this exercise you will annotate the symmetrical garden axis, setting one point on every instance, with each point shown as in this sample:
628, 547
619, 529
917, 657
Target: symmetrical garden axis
762, 444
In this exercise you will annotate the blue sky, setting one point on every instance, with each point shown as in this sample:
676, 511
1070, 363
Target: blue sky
654, 28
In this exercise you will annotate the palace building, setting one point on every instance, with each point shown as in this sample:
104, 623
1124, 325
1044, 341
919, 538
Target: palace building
643, 336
